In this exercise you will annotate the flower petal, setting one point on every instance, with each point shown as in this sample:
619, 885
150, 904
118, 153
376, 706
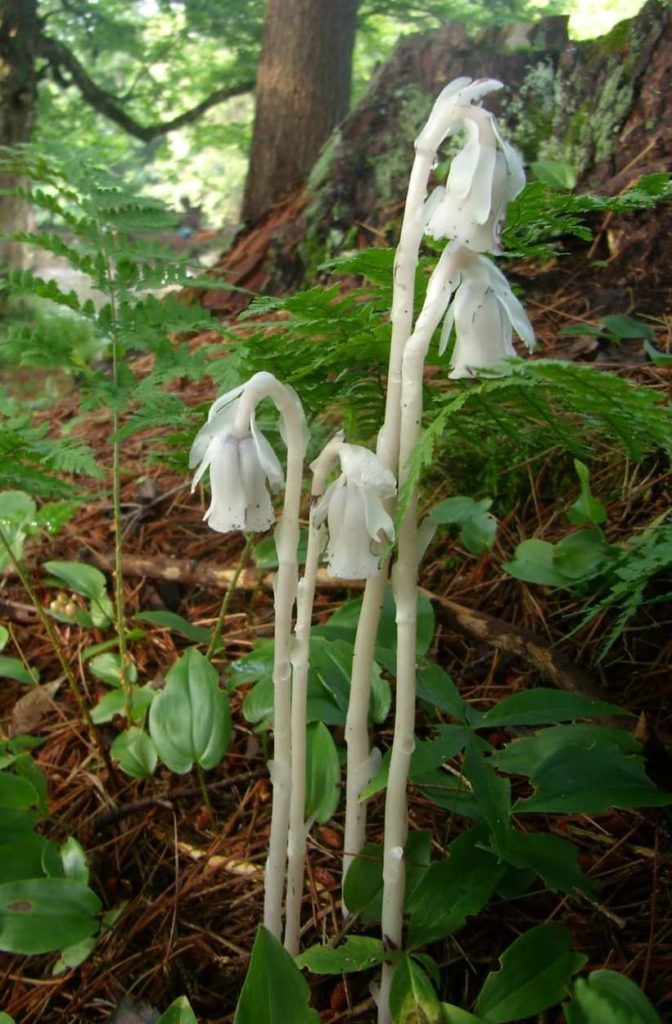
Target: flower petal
227, 505
259, 512
267, 458
349, 553
465, 163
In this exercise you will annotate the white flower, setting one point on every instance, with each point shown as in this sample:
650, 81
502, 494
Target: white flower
484, 176
357, 520
485, 312
240, 467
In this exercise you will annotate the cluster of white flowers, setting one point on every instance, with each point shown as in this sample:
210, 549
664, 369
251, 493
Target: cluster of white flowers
484, 177
244, 469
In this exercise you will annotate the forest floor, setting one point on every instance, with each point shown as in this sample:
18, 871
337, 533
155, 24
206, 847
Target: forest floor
189, 881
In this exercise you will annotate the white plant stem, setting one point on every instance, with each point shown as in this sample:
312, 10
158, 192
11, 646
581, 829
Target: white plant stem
405, 584
298, 827
264, 385
359, 759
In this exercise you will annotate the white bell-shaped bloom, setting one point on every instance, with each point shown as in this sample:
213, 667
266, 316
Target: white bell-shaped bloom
357, 520
484, 176
484, 312
241, 468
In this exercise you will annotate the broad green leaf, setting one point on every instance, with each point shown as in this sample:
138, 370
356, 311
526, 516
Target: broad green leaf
492, 793
189, 720
427, 755
21, 857
174, 622
580, 555
478, 535
74, 861
258, 704
454, 1015
17, 515
135, 752
16, 823
609, 996
586, 510
41, 915
113, 704
102, 611
524, 755
53, 515
381, 697
356, 953
624, 326
255, 665
26, 766
412, 996
575, 781
73, 956
179, 1012
265, 554
458, 509
16, 792
533, 976
82, 579
542, 705
534, 562
107, 667
552, 858
274, 990
6, 1019
453, 889
452, 793
323, 774
477, 526
555, 173
363, 887
657, 357
12, 668
343, 623
331, 662
4, 637
435, 687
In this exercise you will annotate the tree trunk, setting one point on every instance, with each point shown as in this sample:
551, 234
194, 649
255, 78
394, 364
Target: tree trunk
19, 26
303, 91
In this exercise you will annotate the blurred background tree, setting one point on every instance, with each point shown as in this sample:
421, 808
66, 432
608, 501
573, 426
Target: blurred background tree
163, 89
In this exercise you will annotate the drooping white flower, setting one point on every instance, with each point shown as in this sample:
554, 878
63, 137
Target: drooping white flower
241, 465
484, 176
357, 520
484, 312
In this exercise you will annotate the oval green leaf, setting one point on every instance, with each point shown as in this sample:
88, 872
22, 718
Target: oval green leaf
534, 974
189, 720
274, 991
41, 915
135, 752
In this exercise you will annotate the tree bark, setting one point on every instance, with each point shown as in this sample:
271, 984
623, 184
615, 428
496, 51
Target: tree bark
303, 91
19, 29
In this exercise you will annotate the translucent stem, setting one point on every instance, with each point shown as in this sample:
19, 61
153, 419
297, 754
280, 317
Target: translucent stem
359, 759
404, 580
298, 828
264, 385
